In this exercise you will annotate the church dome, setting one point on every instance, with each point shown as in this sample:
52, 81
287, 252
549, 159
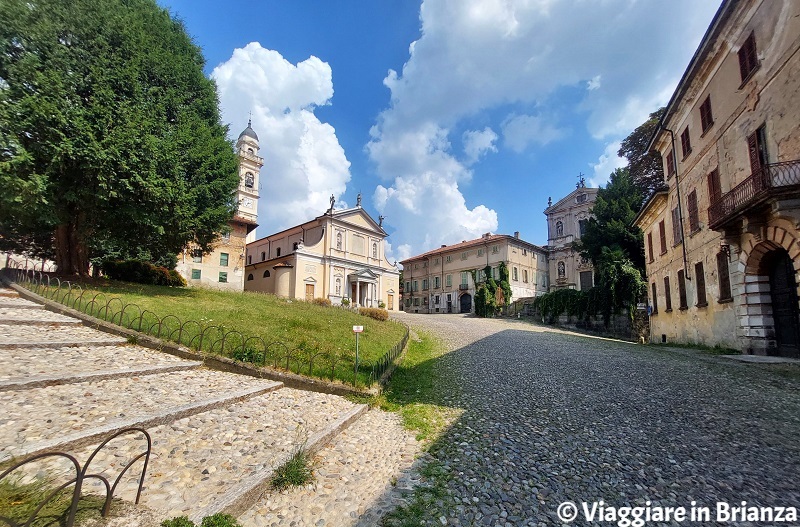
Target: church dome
249, 132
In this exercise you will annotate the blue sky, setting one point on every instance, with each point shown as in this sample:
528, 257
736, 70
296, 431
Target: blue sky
452, 117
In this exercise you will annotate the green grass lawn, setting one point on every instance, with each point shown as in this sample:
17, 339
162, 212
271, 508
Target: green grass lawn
296, 335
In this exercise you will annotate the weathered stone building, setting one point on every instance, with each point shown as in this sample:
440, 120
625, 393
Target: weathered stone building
721, 241
441, 280
566, 221
337, 255
223, 267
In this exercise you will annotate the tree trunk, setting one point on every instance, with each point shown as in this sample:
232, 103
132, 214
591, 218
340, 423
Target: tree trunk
71, 252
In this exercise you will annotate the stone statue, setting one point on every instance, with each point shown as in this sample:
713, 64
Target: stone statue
380, 221
358, 200
333, 200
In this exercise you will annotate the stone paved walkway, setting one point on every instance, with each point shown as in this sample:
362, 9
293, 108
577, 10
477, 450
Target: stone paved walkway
551, 417
215, 435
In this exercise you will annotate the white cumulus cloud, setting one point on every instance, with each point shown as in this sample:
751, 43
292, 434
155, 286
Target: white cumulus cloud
606, 164
478, 142
521, 131
303, 161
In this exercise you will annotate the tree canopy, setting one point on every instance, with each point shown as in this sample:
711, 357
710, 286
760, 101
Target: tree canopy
110, 134
646, 168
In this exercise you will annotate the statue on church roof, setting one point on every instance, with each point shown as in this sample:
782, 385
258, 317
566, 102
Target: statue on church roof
358, 200
333, 201
380, 220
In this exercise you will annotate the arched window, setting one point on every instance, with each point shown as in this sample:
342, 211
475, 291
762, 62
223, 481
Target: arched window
249, 277
516, 275
266, 273
250, 151
295, 245
374, 250
562, 270
249, 180
559, 228
338, 287
339, 241
277, 252
263, 256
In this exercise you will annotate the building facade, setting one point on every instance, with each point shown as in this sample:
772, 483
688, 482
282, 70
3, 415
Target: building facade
339, 255
441, 281
224, 266
566, 221
721, 241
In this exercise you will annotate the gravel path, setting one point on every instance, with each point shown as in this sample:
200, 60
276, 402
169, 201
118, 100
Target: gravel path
552, 416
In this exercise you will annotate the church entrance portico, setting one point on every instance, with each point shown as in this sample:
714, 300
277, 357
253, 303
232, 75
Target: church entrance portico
364, 288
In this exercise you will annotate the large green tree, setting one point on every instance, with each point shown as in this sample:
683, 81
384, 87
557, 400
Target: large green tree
110, 134
646, 168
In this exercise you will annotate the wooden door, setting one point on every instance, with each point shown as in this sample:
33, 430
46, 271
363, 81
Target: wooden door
309, 292
783, 290
390, 302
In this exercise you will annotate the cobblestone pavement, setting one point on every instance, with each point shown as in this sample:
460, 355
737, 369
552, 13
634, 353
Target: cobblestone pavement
552, 416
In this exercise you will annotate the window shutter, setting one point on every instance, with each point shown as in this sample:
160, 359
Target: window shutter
650, 245
714, 190
662, 232
694, 219
752, 150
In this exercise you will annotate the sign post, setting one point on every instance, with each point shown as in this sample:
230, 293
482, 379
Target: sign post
357, 330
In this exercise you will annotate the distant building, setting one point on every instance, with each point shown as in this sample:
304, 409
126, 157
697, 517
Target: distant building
566, 221
441, 280
223, 267
339, 255
721, 241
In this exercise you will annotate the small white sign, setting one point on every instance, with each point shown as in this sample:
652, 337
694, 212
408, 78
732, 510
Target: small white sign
641, 306
358, 329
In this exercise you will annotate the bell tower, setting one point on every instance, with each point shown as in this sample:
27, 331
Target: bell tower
249, 171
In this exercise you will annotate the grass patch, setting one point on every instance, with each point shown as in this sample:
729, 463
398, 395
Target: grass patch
710, 350
426, 497
19, 500
318, 331
296, 472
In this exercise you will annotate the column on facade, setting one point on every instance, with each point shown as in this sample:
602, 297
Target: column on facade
358, 292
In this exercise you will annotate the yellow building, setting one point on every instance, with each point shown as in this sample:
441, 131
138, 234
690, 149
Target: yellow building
223, 267
337, 255
441, 280
721, 241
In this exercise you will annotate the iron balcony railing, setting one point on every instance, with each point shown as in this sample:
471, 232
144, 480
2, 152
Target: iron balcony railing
759, 185
463, 287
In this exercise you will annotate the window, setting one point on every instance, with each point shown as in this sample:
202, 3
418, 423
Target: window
516, 276
706, 119
338, 241
524, 252
223, 259
682, 289
757, 149
559, 228
416, 286
650, 246
436, 282
586, 280
195, 274
496, 273
436, 299
408, 286
480, 252
525, 275
277, 252
249, 180
449, 280
654, 299
495, 249
686, 143
748, 59
677, 235
424, 284
374, 250
714, 188
667, 295
425, 300
249, 277
464, 280
662, 233
266, 273
436, 261
581, 198
295, 245
223, 278
249, 259
197, 256
670, 159
582, 226
226, 236
724, 277
700, 281
694, 217
449, 259
464, 255
416, 301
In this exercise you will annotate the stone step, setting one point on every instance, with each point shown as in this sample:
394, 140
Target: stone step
201, 463
12, 315
18, 303
36, 367
365, 472
18, 336
70, 415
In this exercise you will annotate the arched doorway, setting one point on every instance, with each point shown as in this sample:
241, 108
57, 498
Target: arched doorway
466, 303
783, 293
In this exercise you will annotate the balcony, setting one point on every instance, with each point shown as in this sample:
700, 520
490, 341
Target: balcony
772, 181
463, 287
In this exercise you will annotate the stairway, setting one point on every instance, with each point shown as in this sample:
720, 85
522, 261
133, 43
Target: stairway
217, 436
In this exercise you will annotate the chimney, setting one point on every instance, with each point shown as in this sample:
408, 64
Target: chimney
516, 234
487, 234
444, 245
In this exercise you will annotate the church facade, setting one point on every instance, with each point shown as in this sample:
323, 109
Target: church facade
338, 255
224, 266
